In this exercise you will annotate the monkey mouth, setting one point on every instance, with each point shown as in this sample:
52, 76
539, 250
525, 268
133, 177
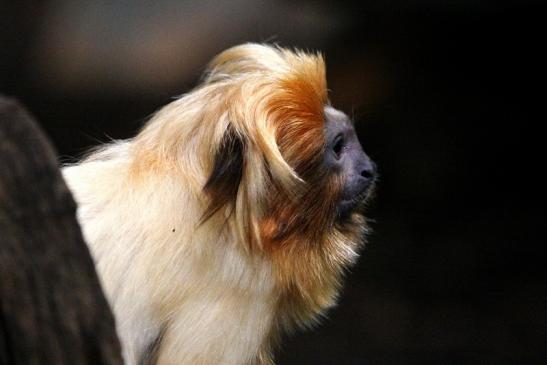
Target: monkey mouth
356, 203
347, 206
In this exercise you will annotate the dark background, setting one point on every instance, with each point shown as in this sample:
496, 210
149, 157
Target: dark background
446, 95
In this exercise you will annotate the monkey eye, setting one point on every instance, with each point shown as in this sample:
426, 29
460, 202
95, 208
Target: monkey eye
338, 146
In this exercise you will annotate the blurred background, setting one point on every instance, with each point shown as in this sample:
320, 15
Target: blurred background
445, 95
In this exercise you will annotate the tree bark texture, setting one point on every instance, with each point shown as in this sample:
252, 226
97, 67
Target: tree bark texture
52, 308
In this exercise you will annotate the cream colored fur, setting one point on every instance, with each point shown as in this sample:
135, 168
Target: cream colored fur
160, 272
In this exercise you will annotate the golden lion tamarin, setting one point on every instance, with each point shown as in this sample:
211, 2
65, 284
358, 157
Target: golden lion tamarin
230, 218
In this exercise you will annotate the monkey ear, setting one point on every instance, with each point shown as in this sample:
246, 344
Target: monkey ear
223, 182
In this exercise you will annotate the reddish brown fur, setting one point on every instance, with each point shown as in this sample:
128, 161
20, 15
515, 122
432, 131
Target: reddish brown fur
299, 230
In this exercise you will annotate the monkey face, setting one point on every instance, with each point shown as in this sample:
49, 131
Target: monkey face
338, 178
345, 158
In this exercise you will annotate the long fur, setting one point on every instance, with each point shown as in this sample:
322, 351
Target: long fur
214, 229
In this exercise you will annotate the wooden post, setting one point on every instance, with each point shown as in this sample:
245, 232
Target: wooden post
52, 308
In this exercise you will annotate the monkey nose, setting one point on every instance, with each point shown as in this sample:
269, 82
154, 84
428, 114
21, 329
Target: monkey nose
368, 171
366, 177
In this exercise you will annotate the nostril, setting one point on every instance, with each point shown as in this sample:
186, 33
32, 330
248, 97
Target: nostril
369, 170
367, 173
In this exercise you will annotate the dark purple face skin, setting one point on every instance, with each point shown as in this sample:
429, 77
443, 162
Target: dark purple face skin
345, 156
